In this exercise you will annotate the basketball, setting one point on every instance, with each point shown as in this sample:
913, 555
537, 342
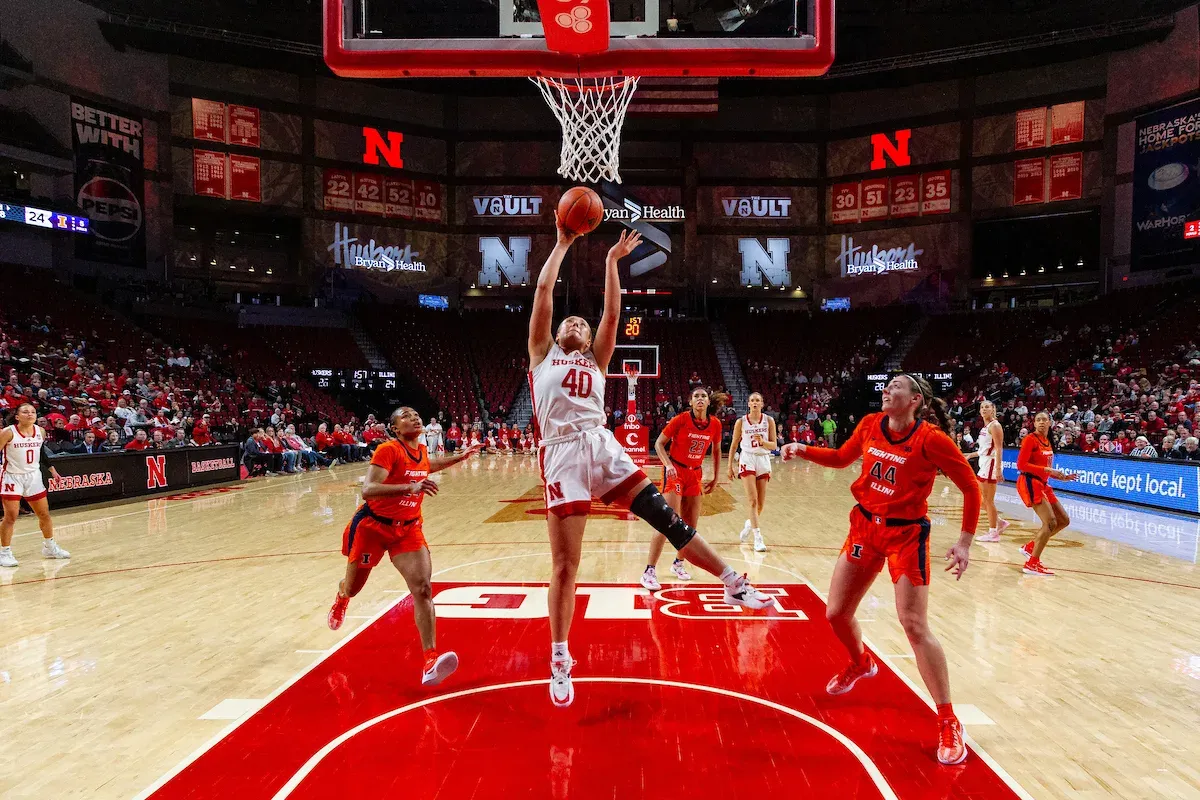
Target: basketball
580, 210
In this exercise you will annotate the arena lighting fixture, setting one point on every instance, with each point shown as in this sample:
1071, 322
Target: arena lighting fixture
743, 10
1006, 273
213, 262
270, 271
233, 266
472, 286
1078, 263
714, 280
252, 269
989, 277
1043, 269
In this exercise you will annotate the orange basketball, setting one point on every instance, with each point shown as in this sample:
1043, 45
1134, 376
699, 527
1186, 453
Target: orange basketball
580, 210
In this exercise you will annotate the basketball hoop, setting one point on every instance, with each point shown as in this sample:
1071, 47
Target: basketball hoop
632, 371
592, 113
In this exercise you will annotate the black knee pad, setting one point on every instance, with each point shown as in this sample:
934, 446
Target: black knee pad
651, 506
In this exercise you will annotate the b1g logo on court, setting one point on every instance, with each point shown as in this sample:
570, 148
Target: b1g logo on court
500, 263
608, 603
765, 266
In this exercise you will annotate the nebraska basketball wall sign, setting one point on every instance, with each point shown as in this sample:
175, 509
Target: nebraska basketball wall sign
109, 183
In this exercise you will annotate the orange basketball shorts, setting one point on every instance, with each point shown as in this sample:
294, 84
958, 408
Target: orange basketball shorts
1034, 490
904, 547
686, 483
366, 539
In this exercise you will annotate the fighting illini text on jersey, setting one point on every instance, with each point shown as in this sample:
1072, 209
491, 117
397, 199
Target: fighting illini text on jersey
690, 441
899, 469
403, 466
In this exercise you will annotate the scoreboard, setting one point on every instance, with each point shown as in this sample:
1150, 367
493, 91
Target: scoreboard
41, 218
354, 379
942, 384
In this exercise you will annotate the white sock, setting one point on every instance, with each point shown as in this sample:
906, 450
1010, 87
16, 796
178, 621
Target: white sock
756, 532
729, 577
991, 530
5, 549
558, 651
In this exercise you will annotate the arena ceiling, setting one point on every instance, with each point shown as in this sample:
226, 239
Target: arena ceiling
874, 36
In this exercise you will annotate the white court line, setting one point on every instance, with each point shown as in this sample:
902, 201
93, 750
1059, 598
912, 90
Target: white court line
876, 775
991, 762
232, 709
359, 616
313, 651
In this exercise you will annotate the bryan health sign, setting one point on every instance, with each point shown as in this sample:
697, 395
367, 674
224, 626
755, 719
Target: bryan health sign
1171, 485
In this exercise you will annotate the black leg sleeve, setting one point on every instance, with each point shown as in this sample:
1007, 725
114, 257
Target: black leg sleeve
651, 506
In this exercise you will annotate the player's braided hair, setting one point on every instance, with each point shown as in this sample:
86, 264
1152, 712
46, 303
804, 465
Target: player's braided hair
932, 408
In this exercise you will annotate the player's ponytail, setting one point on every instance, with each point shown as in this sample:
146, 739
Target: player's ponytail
933, 409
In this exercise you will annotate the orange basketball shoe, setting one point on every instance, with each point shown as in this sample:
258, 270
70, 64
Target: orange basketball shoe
1028, 549
1034, 566
844, 681
337, 614
951, 749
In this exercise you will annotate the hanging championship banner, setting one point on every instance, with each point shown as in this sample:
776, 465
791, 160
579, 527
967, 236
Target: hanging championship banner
243, 126
109, 183
1066, 177
1066, 123
210, 176
245, 178
1031, 129
1029, 181
208, 120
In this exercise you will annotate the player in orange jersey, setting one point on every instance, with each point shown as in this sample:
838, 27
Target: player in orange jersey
1033, 468
902, 450
389, 521
689, 436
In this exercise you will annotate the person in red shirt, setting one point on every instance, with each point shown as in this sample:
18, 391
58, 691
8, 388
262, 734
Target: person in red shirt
681, 447
1089, 444
1033, 470
139, 441
201, 434
902, 451
454, 437
390, 521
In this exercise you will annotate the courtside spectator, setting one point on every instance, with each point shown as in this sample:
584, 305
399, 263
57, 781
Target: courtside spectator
325, 445
87, 447
201, 433
1142, 448
139, 441
255, 457
1190, 450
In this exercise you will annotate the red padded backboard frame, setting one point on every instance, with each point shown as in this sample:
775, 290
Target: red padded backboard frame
803, 56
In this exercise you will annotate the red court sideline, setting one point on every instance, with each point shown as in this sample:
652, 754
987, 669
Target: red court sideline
675, 692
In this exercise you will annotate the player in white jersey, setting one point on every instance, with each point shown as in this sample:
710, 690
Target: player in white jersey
755, 435
581, 459
990, 471
433, 438
21, 478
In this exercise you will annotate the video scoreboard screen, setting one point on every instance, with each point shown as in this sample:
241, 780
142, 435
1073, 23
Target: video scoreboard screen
354, 379
41, 218
941, 382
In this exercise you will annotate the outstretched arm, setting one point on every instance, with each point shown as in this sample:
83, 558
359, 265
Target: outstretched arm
439, 464
540, 335
606, 335
844, 456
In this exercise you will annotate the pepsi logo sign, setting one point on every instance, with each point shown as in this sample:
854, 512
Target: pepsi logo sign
114, 210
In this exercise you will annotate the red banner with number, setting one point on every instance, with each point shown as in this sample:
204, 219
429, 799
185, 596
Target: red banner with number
338, 190
428, 206
245, 178
244, 126
1066, 177
1066, 123
875, 199
208, 120
905, 196
845, 203
1029, 181
1031, 129
935, 192
398, 198
210, 174
368, 193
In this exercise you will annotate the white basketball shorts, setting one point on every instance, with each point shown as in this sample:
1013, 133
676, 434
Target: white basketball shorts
757, 464
580, 466
29, 486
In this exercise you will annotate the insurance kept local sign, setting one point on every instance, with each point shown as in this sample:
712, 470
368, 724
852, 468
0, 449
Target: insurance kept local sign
1171, 485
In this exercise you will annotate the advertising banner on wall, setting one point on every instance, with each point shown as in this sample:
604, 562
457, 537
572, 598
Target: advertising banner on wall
393, 257
887, 266
109, 183
1162, 484
1166, 185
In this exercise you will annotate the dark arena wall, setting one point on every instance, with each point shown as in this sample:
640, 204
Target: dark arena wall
820, 188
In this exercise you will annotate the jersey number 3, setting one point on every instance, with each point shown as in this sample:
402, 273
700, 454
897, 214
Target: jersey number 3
878, 473
578, 383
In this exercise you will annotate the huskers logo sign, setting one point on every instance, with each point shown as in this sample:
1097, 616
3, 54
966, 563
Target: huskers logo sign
765, 266
156, 472
500, 264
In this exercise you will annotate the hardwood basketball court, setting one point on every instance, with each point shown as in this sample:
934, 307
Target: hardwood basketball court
177, 618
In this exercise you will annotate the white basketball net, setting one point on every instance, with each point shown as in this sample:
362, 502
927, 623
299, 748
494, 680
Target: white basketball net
592, 113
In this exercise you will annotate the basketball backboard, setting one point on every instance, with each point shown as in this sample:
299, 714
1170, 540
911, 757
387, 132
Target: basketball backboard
507, 38
642, 356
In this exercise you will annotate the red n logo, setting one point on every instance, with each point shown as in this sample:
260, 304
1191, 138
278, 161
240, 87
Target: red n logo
376, 147
896, 152
554, 491
156, 472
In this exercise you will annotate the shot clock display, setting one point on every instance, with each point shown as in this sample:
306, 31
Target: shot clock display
633, 327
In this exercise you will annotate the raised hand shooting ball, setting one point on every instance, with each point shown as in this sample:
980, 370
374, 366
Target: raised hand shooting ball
580, 210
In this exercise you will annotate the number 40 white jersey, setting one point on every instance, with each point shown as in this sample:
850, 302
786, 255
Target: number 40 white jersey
567, 390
